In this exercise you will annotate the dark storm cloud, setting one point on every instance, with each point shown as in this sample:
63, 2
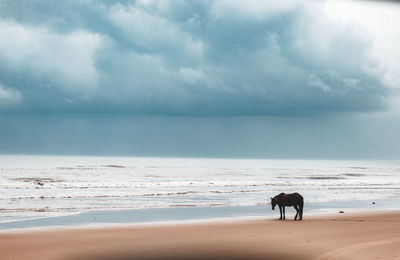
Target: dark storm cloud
183, 58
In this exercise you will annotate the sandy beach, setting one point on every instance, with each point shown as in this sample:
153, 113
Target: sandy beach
337, 236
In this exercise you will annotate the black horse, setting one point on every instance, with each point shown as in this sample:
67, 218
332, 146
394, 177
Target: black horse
292, 199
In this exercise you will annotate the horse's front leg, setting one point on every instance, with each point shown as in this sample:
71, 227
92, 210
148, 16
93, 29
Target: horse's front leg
283, 212
280, 211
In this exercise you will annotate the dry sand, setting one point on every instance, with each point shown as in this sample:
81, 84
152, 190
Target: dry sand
340, 236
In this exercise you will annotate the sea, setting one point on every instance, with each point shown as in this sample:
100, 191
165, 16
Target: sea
37, 187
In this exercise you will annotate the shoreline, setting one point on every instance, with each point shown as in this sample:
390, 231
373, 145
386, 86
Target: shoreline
362, 235
193, 214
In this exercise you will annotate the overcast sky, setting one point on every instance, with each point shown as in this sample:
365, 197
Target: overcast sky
224, 78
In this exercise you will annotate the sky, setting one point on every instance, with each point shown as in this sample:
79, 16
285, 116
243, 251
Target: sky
223, 78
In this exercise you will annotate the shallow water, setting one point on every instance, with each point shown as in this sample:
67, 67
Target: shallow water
48, 186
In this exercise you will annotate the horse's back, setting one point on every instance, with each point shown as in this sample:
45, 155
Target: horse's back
291, 199
297, 195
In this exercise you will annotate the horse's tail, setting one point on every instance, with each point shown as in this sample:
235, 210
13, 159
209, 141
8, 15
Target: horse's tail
301, 201
301, 206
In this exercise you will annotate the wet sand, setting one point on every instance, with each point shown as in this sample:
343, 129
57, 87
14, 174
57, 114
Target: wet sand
338, 236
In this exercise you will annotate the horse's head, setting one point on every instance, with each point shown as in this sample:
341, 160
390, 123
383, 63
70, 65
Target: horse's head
273, 203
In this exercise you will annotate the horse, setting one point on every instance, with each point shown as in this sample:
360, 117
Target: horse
292, 199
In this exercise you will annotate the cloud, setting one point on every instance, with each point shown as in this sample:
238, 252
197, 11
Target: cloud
64, 59
155, 34
191, 75
9, 96
379, 19
253, 9
189, 58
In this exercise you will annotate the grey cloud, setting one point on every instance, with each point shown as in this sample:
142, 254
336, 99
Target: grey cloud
187, 60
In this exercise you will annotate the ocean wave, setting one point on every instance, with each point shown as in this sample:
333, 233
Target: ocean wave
37, 180
321, 177
113, 166
354, 174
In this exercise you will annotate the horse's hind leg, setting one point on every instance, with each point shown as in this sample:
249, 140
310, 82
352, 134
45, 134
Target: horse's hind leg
283, 212
280, 211
301, 212
297, 211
